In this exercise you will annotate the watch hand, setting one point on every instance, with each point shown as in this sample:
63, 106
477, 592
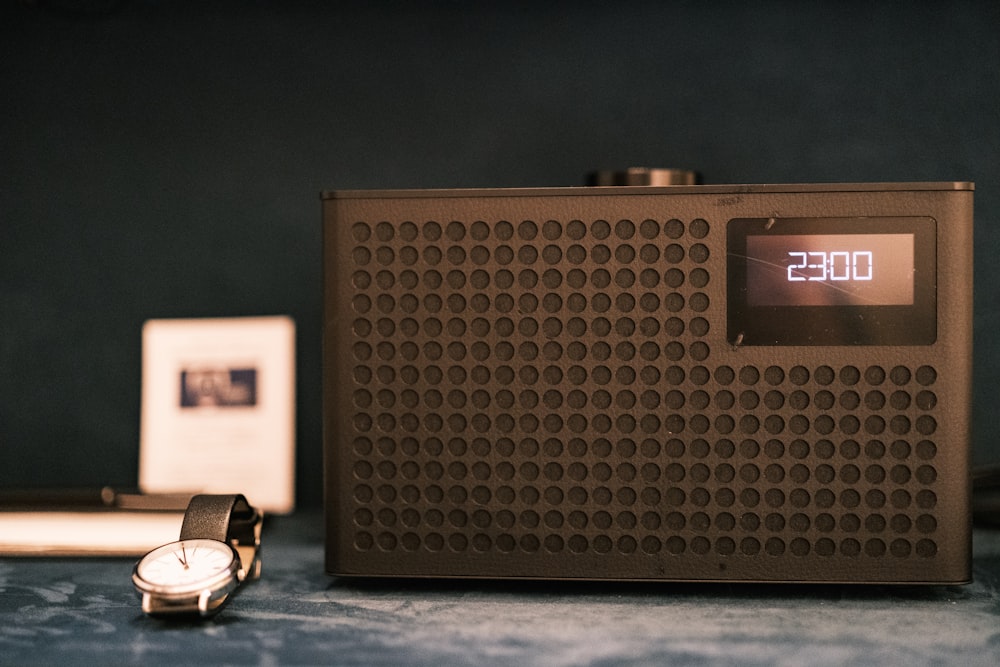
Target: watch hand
183, 559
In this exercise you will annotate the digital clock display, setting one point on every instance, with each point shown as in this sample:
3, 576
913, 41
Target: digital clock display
830, 270
832, 281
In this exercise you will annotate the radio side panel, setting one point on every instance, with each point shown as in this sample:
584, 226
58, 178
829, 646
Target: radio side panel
540, 385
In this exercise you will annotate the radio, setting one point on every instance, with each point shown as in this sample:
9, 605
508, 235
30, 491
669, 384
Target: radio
766, 383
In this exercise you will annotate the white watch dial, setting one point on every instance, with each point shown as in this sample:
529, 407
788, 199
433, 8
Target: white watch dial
187, 563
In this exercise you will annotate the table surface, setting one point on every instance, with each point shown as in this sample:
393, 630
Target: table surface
84, 611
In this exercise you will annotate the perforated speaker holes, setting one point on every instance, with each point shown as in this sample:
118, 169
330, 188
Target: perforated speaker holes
548, 387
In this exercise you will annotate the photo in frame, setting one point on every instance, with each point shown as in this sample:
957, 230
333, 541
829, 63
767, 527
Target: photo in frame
218, 408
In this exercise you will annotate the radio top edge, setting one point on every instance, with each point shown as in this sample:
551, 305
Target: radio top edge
638, 180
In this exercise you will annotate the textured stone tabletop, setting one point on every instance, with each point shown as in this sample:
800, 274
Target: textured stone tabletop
84, 611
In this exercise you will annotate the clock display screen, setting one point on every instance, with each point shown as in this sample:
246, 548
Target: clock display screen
830, 270
832, 281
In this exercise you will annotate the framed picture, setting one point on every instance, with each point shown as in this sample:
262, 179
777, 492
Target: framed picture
218, 408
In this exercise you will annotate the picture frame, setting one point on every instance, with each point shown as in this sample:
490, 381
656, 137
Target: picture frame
218, 408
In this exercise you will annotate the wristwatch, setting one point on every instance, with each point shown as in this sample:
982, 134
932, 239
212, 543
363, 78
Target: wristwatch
217, 551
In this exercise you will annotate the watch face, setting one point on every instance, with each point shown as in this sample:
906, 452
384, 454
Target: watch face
186, 567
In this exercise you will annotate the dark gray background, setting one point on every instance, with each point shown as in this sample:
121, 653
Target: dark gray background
165, 158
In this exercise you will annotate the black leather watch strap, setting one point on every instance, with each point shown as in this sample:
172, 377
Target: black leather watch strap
220, 517
226, 518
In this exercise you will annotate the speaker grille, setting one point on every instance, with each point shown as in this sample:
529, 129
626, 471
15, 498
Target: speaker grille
555, 388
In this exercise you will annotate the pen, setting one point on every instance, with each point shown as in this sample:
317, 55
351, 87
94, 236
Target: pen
103, 498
